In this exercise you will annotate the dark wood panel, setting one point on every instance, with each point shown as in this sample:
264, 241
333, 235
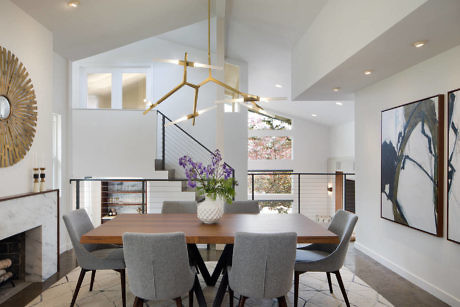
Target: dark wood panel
350, 195
222, 233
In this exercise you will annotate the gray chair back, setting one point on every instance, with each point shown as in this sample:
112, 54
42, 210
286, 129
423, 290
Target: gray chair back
342, 225
158, 265
78, 223
263, 264
246, 206
179, 207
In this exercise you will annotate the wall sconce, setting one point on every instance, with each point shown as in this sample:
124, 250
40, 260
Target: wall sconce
329, 188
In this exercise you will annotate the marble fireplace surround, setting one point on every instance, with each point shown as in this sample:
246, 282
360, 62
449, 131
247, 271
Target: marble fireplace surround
36, 214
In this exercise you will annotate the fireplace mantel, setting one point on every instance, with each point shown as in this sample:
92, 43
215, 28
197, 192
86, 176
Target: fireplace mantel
37, 214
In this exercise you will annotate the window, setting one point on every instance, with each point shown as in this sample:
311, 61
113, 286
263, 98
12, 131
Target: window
99, 91
270, 184
257, 121
115, 88
232, 78
270, 148
276, 206
134, 89
57, 150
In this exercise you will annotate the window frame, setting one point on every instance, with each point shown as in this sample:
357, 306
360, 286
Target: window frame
117, 84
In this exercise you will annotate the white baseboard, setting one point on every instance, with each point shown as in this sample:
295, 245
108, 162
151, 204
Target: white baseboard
422, 283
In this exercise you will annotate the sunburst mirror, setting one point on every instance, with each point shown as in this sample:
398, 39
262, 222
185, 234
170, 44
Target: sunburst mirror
18, 109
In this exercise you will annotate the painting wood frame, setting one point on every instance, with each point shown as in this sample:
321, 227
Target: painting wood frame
450, 108
438, 207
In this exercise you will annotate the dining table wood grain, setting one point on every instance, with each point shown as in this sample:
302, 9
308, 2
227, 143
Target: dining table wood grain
196, 232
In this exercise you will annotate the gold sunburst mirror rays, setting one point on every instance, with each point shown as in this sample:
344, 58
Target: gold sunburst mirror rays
18, 109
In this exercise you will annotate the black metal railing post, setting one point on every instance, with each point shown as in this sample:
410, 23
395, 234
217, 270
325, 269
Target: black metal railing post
252, 185
77, 195
143, 196
163, 142
298, 193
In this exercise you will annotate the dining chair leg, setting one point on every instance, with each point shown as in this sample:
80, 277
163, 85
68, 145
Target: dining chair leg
190, 298
178, 302
93, 274
123, 285
342, 287
329, 281
296, 287
77, 288
282, 301
242, 301
138, 302
230, 295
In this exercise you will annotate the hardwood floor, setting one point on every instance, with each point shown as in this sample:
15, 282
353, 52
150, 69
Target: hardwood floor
393, 287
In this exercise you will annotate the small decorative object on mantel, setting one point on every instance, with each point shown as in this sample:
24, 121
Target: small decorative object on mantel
36, 188
42, 179
213, 181
18, 109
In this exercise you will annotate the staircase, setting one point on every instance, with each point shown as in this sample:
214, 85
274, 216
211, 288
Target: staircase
172, 143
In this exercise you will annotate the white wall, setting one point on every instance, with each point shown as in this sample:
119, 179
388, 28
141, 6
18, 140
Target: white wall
112, 143
33, 45
342, 140
428, 261
61, 106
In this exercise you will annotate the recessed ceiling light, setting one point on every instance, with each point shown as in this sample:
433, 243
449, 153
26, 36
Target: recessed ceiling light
419, 44
73, 3
339, 103
336, 89
368, 72
314, 115
278, 85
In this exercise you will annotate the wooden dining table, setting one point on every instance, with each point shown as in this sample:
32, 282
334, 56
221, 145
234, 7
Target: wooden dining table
221, 233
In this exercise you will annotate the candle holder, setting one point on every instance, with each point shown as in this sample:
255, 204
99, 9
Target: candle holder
36, 188
42, 179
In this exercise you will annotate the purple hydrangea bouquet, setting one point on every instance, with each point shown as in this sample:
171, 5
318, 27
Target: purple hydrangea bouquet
213, 180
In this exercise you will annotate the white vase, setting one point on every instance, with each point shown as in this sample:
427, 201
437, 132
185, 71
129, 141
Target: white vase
210, 211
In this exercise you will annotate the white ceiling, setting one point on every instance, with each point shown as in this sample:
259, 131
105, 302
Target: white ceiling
438, 22
328, 112
101, 25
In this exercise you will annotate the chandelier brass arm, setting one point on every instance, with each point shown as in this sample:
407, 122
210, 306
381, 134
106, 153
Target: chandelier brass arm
247, 98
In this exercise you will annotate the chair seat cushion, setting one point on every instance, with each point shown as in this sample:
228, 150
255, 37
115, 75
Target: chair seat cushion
311, 260
107, 259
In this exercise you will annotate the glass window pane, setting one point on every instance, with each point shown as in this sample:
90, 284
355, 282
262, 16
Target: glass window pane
99, 91
276, 206
270, 184
260, 122
134, 87
270, 148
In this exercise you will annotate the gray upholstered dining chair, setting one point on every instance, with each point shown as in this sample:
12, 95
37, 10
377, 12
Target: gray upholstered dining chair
92, 257
179, 207
327, 258
262, 266
158, 267
246, 206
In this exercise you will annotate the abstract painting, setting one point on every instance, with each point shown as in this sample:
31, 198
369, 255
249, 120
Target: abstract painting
412, 147
453, 164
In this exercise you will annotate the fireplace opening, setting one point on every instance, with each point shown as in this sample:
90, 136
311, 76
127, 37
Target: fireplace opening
12, 265
13, 248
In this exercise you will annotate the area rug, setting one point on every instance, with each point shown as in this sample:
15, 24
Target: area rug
313, 291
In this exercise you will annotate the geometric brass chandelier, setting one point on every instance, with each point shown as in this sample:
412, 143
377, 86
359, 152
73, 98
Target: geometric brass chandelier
247, 100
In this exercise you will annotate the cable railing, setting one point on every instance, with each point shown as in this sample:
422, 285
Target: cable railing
315, 195
174, 142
